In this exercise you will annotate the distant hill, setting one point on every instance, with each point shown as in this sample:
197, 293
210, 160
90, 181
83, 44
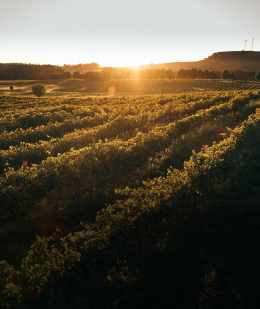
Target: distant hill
231, 60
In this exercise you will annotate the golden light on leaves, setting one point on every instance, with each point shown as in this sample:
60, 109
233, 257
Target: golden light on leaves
112, 90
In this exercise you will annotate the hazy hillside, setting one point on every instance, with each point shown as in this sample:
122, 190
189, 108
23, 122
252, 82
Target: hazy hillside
233, 60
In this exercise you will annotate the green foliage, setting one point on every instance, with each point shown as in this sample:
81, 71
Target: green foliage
194, 73
257, 76
233, 75
76, 75
64, 75
79, 144
14, 71
10, 292
35, 169
81, 67
104, 247
228, 75
39, 90
225, 74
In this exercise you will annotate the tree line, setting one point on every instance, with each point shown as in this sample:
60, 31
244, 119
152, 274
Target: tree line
81, 67
17, 71
109, 73
225, 74
13, 71
92, 71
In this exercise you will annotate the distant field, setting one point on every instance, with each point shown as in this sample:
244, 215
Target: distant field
80, 88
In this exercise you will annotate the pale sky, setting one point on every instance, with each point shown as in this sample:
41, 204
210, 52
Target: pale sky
124, 32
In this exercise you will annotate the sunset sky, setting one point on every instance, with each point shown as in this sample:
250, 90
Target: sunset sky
124, 32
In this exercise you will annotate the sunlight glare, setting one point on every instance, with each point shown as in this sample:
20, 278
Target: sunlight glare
112, 90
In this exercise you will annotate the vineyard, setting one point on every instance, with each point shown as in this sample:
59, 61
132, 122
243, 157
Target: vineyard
124, 174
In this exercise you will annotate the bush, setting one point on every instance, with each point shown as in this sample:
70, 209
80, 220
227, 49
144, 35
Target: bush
66, 75
225, 74
77, 75
39, 90
233, 75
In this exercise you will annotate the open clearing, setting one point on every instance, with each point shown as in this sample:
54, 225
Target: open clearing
73, 87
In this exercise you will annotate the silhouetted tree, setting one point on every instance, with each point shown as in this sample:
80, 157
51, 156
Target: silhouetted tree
55, 76
193, 73
107, 73
225, 74
206, 74
232, 75
200, 73
81, 68
257, 76
213, 75
182, 74
92, 76
66, 75
170, 74
76, 75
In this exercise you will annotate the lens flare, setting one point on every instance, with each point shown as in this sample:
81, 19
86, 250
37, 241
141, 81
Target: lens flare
112, 90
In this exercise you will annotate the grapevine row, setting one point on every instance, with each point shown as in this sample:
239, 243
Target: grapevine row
47, 267
35, 153
20, 188
31, 117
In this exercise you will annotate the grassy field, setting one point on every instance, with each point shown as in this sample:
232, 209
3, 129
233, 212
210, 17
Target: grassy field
79, 88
